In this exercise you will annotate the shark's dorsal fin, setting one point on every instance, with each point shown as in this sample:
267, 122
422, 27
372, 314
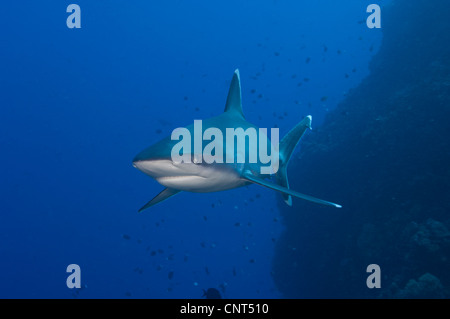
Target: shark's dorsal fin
257, 180
234, 99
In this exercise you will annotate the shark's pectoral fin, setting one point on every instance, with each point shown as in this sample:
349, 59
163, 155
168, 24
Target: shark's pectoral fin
257, 180
165, 194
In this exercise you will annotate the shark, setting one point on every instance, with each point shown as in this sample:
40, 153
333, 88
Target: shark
202, 177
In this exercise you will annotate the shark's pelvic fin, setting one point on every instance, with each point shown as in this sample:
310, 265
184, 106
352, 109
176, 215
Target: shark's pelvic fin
257, 180
287, 146
165, 194
234, 99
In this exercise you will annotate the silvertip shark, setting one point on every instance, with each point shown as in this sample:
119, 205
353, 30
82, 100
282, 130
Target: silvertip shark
156, 160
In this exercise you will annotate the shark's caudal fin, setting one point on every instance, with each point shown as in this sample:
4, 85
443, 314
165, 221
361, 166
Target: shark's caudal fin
165, 194
234, 99
257, 180
287, 146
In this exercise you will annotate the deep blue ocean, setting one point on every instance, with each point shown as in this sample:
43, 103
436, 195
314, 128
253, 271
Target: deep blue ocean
77, 104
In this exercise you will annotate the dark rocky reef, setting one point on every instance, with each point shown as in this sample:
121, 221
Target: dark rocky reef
384, 154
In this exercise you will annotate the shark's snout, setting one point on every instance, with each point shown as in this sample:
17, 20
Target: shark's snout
147, 167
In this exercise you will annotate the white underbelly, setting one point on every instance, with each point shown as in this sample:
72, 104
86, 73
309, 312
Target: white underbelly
214, 183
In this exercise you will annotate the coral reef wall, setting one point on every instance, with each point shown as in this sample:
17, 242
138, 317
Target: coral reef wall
384, 154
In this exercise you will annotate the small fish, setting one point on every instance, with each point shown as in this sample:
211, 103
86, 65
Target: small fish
308, 59
138, 270
125, 236
324, 98
212, 293
223, 286
170, 275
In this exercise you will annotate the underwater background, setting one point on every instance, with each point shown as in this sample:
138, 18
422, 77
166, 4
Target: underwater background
76, 105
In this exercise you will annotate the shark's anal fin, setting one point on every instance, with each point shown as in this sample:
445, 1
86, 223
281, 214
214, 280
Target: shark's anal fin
165, 194
257, 180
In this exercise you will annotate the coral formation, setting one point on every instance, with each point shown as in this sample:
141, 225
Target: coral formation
383, 154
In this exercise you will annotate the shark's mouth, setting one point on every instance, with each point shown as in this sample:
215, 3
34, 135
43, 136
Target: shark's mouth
176, 177
183, 182
166, 170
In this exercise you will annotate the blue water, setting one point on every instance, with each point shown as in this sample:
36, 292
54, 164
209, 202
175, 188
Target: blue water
78, 104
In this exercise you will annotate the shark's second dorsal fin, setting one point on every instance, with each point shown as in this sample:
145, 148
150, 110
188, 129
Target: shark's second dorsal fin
234, 100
